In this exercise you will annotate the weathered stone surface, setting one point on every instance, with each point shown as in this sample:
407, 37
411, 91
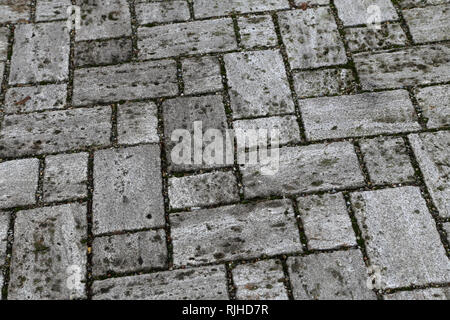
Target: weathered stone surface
401, 237
48, 10
404, 4
65, 177
137, 122
319, 2
103, 52
18, 182
55, 131
48, 251
201, 74
358, 12
365, 39
36, 98
387, 160
125, 82
127, 189
186, 38
258, 84
14, 11
429, 23
257, 31
447, 230
206, 283
358, 115
435, 105
305, 169
339, 275
326, 221
311, 38
407, 67
4, 227
2, 69
234, 232
211, 8
262, 280
4, 34
432, 154
203, 190
129, 252
420, 294
40, 53
158, 12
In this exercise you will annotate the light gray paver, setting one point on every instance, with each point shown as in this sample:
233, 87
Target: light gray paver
447, 230
47, 10
4, 34
211, 8
14, 11
435, 105
65, 177
103, 52
258, 84
420, 294
201, 74
40, 53
339, 275
257, 31
419, 3
2, 69
401, 237
234, 232
137, 122
262, 280
358, 12
4, 227
127, 189
49, 249
432, 154
319, 2
205, 283
18, 182
365, 39
158, 12
129, 252
429, 23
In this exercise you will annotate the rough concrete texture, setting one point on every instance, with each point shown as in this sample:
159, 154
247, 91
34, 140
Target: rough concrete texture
137, 123
4, 227
359, 12
435, 105
366, 38
428, 24
424, 294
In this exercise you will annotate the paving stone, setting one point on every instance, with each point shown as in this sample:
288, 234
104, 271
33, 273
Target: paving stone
234, 232
366, 39
18, 182
125, 82
404, 4
257, 31
387, 160
211, 8
201, 74
262, 280
447, 230
319, 2
311, 38
357, 12
421, 294
326, 221
358, 115
432, 154
36, 98
47, 10
4, 227
401, 237
339, 275
65, 177
324, 82
49, 252
4, 34
104, 52
103, 19
2, 69
137, 122
306, 169
195, 37
55, 131
14, 11
203, 190
129, 252
206, 283
40, 53
407, 67
435, 105
258, 84
159, 12
429, 23
127, 189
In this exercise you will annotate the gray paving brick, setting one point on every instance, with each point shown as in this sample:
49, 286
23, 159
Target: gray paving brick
258, 84
429, 24
137, 122
48, 252
201, 74
339, 275
196, 37
366, 39
262, 280
326, 221
206, 283
356, 12
125, 82
305, 169
65, 177
14, 11
311, 38
127, 189
129, 252
419, 3
435, 105
358, 115
55, 131
257, 31
319, 2
203, 190
2, 69
401, 237
234, 232
211, 8
4, 34
40, 53
387, 160
4, 227
18, 182
432, 154
407, 67
447, 230
158, 12
36, 98
421, 294
103, 52
47, 10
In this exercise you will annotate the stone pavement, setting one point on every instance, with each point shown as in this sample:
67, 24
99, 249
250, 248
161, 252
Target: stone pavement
92, 206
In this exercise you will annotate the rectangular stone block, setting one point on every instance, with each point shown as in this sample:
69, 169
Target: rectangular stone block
48, 10
359, 12
211, 8
113, 51
4, 227
160, 12
404, 4
366, 39
14, 11
257, 31
137, 122
201, 74
429, 23
435, 105
420, 294
4, 35
446, 227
